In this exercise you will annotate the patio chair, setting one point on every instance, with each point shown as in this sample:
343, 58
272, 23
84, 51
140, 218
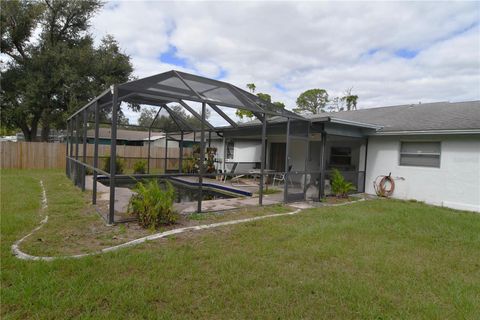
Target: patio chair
232, 171
235, 181
281, 177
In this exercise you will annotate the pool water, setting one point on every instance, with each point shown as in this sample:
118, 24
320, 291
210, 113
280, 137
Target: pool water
184, 193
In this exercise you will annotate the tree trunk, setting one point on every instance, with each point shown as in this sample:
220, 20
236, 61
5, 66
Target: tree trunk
27, 134
45, 133
33, 129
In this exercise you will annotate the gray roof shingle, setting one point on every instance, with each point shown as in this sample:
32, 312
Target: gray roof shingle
418, 117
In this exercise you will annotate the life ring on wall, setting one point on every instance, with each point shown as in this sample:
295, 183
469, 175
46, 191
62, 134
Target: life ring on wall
384, 185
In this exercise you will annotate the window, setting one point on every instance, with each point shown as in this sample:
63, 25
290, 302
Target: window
340, 156
420, 154
230, 148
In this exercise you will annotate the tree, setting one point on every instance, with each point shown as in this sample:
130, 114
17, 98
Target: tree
312, 101
350, 99
146, 117
335, 104
264, 96
252, 87
50, 76
165, 122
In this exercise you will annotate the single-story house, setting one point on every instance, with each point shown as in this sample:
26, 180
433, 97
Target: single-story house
140, 138
128, 137
432, 150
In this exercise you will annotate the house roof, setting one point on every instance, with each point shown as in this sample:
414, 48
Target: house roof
438, 116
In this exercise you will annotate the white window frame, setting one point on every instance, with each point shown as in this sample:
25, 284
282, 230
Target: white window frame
426, 154
230, 155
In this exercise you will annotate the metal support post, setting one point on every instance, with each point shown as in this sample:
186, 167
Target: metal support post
262, 163
150, 137
84, 148
77, 138
113, 154
148, 151
67, 145
307, 158
287, 163
166, 152
95, 152
180, 163
322, 164
202, 159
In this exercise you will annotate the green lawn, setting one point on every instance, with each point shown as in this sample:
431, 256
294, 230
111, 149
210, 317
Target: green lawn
375, 259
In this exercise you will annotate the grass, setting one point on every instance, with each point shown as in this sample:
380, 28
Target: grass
379, 259
270, 190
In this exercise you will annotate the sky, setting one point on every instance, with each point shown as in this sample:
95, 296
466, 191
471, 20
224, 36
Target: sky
390, 53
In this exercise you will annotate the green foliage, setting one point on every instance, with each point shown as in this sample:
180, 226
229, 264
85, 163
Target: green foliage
146, 117
269, 191
312, 101
119, 165
264, 96
210, 162
342, 252
350, 101
346, 102
340, 187
165, 121
140, 167
189, 165
88, 171
153, 205
4, 131
53, 71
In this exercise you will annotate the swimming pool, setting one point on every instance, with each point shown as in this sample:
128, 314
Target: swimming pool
184, 192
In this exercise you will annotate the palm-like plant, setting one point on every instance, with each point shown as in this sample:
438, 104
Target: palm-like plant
340, 187
152, 204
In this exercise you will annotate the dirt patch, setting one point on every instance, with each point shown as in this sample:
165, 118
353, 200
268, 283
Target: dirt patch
84, 231
337, 200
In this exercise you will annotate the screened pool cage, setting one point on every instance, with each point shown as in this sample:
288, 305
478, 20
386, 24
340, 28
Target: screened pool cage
173, 95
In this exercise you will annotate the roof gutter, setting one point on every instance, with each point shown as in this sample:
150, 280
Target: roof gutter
355, 123
425, 132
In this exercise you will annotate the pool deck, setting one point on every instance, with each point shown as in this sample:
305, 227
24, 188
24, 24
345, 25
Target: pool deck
123, 195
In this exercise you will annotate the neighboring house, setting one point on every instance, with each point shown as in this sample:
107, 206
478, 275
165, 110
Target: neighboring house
140, 138
128, 137
432, 150
9, 138
53, 136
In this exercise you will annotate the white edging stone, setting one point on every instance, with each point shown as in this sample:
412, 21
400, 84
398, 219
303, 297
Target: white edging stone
25, 256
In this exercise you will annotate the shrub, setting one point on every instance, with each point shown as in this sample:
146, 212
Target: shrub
189, 165
119, 165
140, 167
210, 163
340, 187
153, 205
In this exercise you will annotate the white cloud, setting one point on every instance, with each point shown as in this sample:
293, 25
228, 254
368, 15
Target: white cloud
310, 44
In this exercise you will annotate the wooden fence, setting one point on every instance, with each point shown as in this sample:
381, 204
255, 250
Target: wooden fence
43, 155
